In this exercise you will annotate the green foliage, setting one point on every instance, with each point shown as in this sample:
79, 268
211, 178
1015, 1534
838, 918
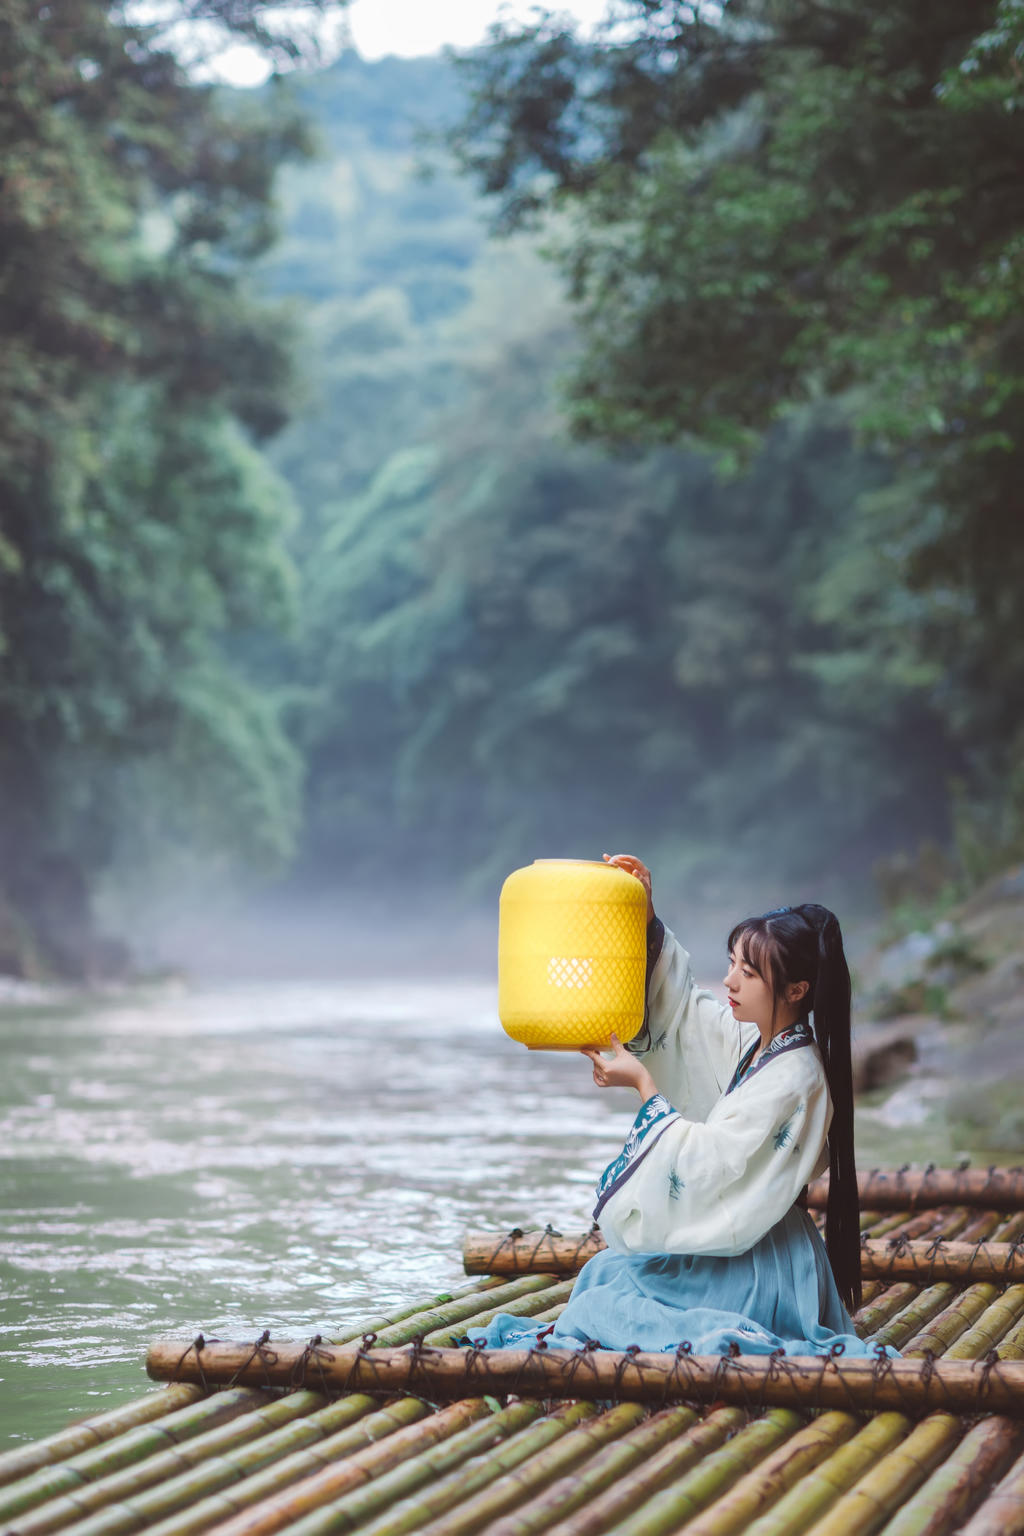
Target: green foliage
142, 533
786, 200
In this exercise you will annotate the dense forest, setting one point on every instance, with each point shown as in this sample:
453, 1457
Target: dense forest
412, 468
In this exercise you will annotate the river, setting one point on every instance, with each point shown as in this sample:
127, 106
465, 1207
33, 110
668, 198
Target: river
284, 1156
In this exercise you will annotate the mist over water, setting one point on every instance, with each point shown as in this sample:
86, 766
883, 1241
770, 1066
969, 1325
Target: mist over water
285, 1155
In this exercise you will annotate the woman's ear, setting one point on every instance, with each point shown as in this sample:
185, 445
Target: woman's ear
797, 991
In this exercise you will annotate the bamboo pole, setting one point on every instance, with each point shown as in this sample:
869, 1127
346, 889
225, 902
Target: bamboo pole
981, 1228
905, 1258
999, 1189
410, 1516
1002, 1513
82, 1501
963, 1386
551, 1315
937, 1336
675, 1506
675, 1461
525, 1306
991, 1327
762, 1487
465, 1307
1012, 1346
414, 1308
133, 1446
577, 1488
797, 1510
88, 1433
884, 1307
125, 1505
255, 1484
925, 1305
526, 1253
882, 1490
462, 1516
1010, 1228
337, 1498
959, 1484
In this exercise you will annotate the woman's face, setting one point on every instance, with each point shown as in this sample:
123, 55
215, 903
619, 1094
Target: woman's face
750, 996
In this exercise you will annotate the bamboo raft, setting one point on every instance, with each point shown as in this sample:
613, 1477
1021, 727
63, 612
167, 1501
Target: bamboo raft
398, 1427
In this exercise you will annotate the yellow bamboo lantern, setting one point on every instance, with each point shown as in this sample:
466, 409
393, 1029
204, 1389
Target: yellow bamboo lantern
572, 954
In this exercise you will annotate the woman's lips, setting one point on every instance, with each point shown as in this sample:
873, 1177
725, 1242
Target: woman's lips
733, 1003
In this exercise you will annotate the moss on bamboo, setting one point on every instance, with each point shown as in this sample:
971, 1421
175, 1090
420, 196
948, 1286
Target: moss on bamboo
134, 1445
884, 1307
762, 1487
415, 1308
459, 1517
579, 1487
250, 1485
522, 1306
882, 1489
816, 1492
666, 1511
464, 1307
340, 1498
920, 1310
124, 1505
88, 1433
936, 1336
674, 1461
959, 1483
991, 1327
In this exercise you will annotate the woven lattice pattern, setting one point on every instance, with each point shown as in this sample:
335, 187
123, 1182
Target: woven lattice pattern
571, 955
570, 971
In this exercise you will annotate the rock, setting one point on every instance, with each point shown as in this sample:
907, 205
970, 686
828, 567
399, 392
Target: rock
883, 1055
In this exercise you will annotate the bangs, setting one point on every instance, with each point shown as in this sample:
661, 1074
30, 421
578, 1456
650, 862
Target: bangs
752, 941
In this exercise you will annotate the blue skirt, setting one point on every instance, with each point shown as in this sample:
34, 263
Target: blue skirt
780, 1294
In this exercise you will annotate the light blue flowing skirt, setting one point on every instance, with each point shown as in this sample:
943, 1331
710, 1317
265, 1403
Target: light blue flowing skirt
780, 1294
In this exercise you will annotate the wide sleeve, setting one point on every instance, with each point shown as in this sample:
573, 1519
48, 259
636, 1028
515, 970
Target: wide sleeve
716, 1187
695, 1042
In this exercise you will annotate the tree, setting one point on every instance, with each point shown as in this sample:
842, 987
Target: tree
140, 525
771, 201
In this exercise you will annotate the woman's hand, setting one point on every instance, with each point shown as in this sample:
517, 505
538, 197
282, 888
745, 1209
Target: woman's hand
621, 1070
633, 866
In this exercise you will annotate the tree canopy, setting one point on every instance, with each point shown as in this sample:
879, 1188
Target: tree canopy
767, 202
142, 533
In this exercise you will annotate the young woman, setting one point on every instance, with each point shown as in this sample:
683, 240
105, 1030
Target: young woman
709, 1241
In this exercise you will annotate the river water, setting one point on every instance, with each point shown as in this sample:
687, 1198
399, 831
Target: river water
287, 1156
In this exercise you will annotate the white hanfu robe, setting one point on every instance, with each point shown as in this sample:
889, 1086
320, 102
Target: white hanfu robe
717, 1161
708, 1246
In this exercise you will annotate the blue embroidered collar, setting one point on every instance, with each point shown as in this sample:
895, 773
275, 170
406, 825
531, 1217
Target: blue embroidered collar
791, 1039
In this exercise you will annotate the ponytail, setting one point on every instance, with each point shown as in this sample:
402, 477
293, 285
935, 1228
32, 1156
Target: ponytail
804, 943
830, 1004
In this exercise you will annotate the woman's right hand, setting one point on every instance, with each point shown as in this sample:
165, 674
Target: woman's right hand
634, 866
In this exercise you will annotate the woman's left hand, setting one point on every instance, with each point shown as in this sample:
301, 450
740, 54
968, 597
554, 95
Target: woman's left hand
620, 1070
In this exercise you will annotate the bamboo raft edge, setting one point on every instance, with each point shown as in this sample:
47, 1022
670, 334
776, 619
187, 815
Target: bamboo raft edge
807, 1381
909, 1189
870, 1440
899, 1258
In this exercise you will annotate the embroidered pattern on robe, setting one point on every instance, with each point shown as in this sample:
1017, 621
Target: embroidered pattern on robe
655, 1117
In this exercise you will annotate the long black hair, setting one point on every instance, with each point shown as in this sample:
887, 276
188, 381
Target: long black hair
794, 944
